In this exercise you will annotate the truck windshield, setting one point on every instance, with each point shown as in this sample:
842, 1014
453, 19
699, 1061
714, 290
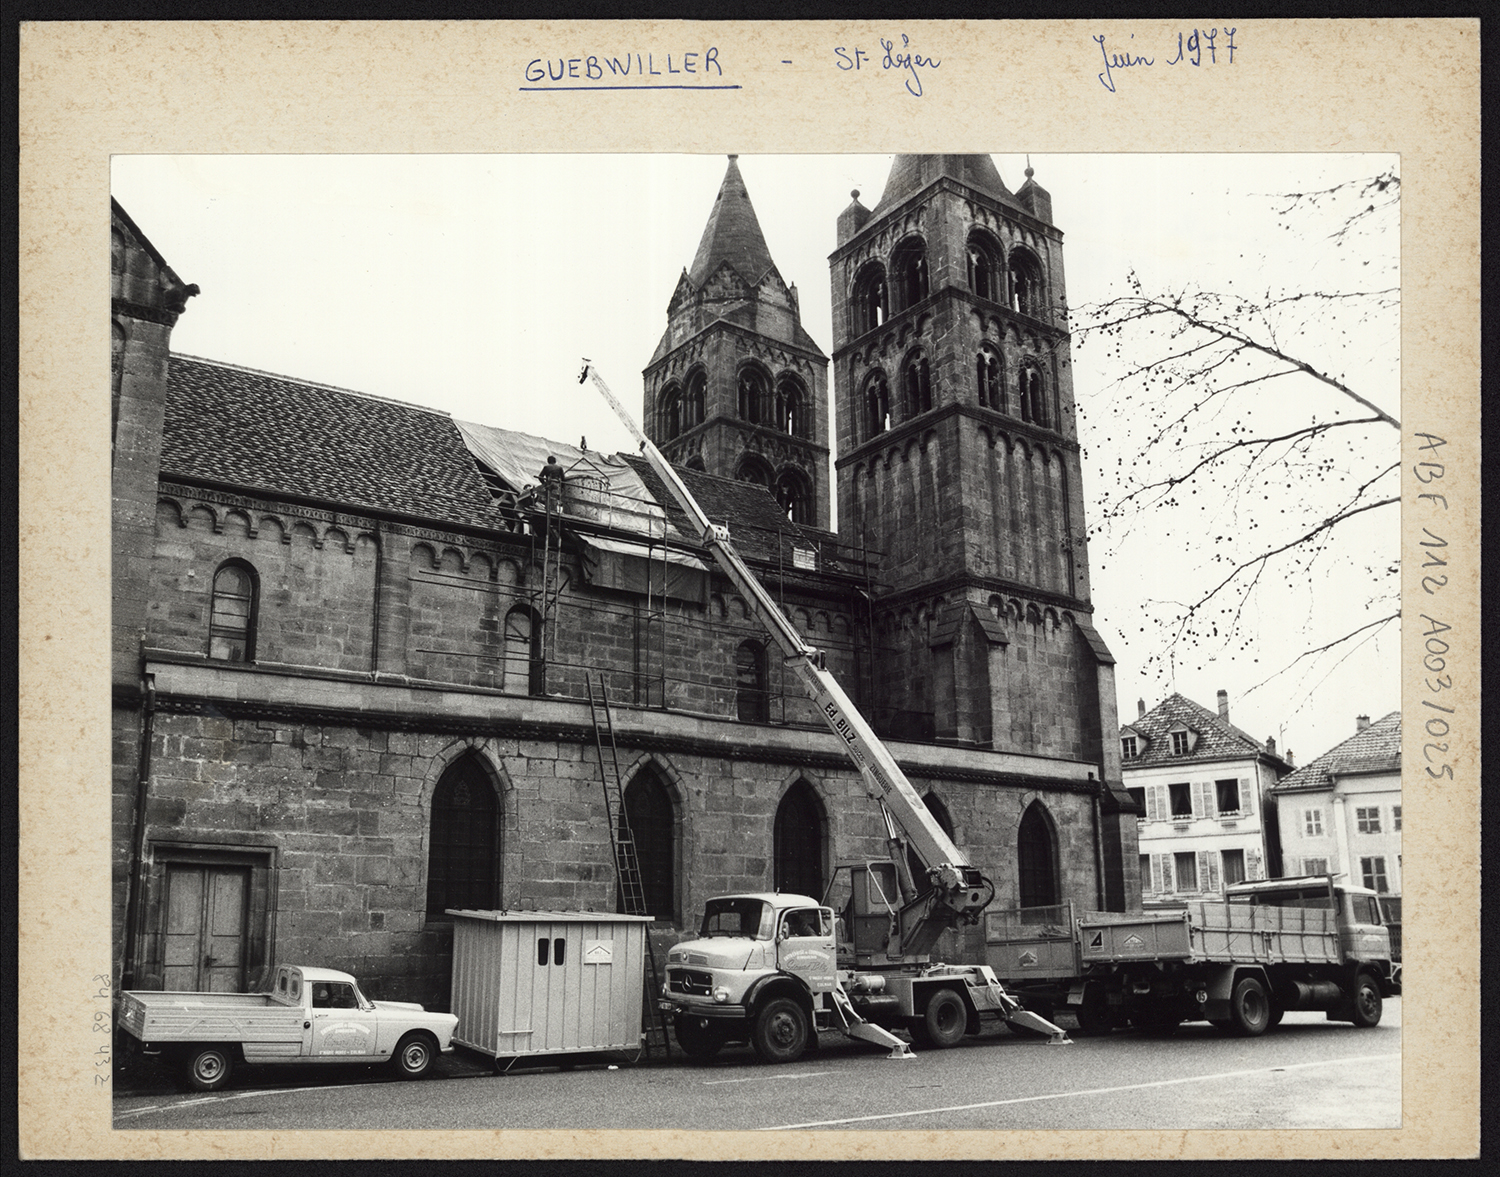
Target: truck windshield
738, 917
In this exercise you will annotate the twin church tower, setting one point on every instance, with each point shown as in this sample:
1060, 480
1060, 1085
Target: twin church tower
957, 458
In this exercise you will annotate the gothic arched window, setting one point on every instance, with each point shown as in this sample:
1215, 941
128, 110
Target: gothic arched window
794, 495
1026, 283
867, 306
753, 468
909, 273
797, 843
463, 851
693, 398
991, 378
792, 415
916, 385
669, 412
232, 615
651, 822
754, 395
751, 698
986, 277
939, 813
877, 404
1036, 858
523, 652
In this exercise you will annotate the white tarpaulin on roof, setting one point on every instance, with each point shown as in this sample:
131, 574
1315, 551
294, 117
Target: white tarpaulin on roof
645, 570
601, 487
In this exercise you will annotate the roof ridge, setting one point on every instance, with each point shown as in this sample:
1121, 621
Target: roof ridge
305, 383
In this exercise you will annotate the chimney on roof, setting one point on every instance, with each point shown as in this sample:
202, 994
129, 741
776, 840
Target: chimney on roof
1290, 758
1140, 708
1361, 722
1271, 745
1224, 706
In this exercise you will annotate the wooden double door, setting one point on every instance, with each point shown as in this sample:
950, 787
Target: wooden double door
204, 938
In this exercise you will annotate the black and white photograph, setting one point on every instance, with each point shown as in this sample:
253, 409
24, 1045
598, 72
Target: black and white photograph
749, 591
606, 624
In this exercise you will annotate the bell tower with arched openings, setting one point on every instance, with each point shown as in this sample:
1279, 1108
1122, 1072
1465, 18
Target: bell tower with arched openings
958, 460
736, 386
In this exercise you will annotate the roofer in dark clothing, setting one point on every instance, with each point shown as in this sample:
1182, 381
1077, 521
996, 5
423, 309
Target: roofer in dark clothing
552, 476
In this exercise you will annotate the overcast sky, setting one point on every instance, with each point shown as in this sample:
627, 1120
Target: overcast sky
475, 285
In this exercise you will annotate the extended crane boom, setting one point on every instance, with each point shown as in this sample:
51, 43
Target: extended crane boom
959, 893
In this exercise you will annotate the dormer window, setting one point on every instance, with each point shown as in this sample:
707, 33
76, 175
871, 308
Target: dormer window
1129, 749
1180, 744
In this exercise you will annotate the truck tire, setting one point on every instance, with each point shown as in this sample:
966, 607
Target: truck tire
1094, 1018
1249, 1008
414, 1055
1367, 1003
779, 1034
208, 1067
944, 1022
697, 1042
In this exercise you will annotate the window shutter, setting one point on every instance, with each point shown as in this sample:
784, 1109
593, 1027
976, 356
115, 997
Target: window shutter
1163, 872
1154, 803
1208, 871
1252, 863
1247, 797
1203, 799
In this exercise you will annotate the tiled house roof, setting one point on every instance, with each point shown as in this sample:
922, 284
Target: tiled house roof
1376, 749
1218, 739
282, 436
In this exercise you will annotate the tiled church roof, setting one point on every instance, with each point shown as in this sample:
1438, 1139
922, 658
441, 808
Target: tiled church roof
1376, 749
732, 234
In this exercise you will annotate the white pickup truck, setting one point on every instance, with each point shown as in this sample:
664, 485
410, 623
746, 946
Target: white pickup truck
308, 1015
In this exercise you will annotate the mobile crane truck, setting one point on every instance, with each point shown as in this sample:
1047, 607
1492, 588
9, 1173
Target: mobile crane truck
768, 968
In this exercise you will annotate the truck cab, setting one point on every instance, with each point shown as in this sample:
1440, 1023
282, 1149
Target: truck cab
758, 972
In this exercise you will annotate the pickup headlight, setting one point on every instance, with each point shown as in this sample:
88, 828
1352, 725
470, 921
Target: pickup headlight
721, 995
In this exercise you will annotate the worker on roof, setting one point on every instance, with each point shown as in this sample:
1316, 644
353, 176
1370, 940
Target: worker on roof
552, 475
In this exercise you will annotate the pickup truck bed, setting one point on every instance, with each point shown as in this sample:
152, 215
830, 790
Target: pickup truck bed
255, 1018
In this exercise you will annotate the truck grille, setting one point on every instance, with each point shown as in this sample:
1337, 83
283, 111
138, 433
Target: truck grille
690, 982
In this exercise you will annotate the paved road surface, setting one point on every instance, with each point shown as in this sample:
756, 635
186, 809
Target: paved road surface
1306, 1073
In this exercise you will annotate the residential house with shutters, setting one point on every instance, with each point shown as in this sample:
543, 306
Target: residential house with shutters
1206, 790
1341, 813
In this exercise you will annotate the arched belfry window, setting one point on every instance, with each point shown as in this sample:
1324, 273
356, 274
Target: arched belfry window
463, 851
909, 273
693, 398
916, 385
232, 615
1026, 283
1033, 395
669, 411
867, 306
753, 468
523, 652
752, 699
754, 395
991, 378
1036, 858
792, 411
986, 276
794, 494
797, 840
650, 819
877, 404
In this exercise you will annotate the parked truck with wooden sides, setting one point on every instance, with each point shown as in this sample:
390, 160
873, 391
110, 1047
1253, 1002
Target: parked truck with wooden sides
1271, 946
307, 1015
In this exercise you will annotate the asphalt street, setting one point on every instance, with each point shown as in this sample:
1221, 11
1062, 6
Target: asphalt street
1307, 1073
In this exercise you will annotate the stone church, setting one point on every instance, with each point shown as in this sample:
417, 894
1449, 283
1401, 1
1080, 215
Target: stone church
356, 640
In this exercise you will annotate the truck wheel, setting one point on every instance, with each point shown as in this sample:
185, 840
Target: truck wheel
697, 1042
1094, 1018
209, 1067
944, 1022
1367, 1002
780, 1031
1249, 1008
414, 1054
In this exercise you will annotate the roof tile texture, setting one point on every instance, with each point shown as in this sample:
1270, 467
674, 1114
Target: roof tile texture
1217, 738
1376, 748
